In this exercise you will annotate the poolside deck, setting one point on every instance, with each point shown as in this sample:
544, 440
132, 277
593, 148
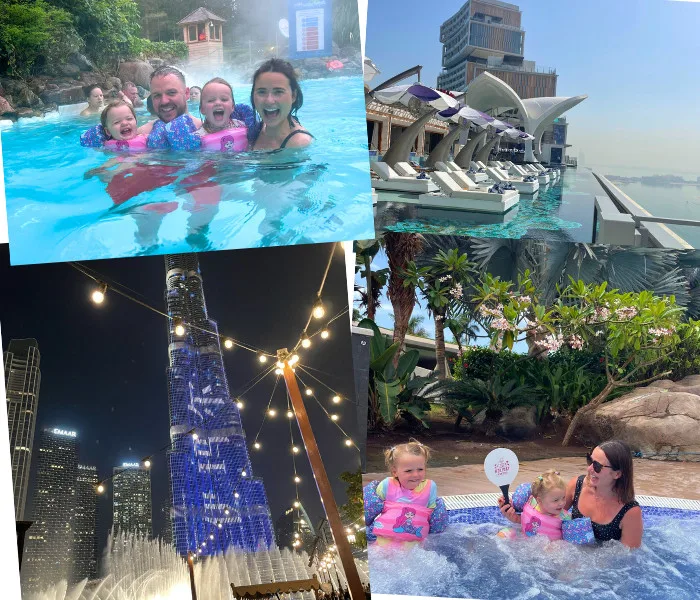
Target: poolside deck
652, 477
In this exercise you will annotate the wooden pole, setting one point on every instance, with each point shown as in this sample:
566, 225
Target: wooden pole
323, 484
190, 568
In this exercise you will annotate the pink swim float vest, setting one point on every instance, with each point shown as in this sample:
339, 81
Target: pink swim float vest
406, 514
135, 144
533, 522
226, 140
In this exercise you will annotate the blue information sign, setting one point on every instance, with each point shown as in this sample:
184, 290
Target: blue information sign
310, 28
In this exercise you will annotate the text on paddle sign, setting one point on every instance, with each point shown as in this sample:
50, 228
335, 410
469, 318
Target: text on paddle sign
502, 467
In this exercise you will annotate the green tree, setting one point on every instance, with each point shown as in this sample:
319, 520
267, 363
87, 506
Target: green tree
365, 251
440, 285
353, 511
34, 35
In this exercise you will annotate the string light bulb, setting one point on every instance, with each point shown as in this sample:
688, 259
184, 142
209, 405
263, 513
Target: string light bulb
334, 417
324, 334
309, 392
239, 404
244, 473
100, 488
228, 344
296, 504
297, 479
272, 412
279, 371
262, 358
293, 360
336, 399
348, 442
295, 449
290, 414
179, 329
147, 463
280, 364
256, 445
318, 310
305, 341
98, 295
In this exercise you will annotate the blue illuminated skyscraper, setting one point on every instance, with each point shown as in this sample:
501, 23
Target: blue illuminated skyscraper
217, 503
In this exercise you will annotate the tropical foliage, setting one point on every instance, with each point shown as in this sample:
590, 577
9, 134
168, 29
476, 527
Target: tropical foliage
353, 511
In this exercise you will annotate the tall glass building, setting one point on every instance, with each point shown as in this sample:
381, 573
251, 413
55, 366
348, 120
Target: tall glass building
479, 29
131, 500
22, 380
217, 502
49, 554
85, 523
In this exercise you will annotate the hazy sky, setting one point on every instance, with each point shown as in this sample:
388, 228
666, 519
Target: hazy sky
637, 60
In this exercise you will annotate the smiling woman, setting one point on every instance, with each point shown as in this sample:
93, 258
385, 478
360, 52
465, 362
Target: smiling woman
277, 97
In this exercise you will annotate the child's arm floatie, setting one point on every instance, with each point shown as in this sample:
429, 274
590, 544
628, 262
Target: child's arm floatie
439, 519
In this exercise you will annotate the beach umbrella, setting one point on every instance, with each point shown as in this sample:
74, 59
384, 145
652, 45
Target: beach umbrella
465, 112
409, 94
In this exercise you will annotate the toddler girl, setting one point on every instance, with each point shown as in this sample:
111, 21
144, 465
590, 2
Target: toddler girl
219, 131
543, 511
119, 123
405, 506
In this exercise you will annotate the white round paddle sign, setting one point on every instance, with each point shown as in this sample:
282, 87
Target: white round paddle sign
501, 466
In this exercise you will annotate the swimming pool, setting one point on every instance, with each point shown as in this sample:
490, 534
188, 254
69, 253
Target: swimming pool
61, 206
469, 561
560, 211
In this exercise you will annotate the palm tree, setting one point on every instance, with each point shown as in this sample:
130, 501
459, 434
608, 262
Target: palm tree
365, 251
415, 326
401, 248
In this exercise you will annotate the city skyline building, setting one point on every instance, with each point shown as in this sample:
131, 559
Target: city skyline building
49, 554
85, 523
487, 36
294, 524
217, 503
132, 510
22, 382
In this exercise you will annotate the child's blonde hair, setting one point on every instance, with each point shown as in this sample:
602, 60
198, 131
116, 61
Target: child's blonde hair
548, 481
413, 447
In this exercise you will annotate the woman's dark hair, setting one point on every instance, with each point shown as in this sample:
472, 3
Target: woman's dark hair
196, 87
89, 89
114, 104
278, 65
620, 457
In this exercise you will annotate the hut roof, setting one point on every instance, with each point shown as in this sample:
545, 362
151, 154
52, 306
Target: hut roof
199, 15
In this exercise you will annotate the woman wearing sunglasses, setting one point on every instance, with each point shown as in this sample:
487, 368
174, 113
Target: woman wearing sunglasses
605, 495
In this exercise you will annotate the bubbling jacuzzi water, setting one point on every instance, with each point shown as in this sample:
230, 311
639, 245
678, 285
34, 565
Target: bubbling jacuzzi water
470, 561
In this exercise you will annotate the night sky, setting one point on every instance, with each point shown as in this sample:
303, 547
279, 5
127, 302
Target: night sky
103, 368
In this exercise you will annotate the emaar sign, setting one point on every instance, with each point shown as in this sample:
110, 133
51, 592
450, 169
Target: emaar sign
132, 464
64, 433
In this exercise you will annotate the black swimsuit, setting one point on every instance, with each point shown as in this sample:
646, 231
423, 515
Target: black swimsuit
284, 142
602, 533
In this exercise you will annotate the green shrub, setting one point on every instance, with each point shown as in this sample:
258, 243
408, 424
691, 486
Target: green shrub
34, 35
144, 49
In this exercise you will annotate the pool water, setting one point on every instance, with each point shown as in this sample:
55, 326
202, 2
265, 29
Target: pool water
470, 561
560, 211
66, 202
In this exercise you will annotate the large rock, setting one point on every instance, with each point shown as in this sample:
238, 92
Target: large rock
18, 93
137, 71
69, 94
5, 106
112, 83
81, 61
518, 423
70, 70
661, 419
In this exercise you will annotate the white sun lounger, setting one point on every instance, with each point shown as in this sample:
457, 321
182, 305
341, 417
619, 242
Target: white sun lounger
477, 177
554, 175
463, 179
390, 180
454, 197
519, 171
525, 187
